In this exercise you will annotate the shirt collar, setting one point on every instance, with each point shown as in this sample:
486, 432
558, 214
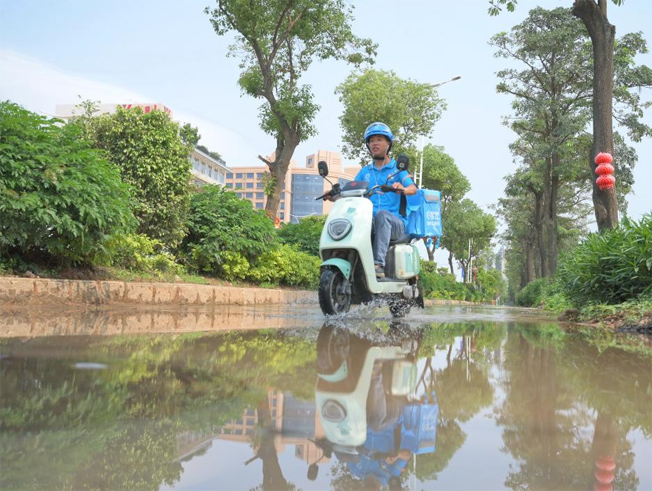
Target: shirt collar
388, 165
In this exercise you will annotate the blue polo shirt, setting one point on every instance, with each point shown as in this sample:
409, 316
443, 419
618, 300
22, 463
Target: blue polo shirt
384, 201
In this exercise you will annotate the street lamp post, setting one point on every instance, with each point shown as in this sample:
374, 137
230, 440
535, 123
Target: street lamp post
432, 86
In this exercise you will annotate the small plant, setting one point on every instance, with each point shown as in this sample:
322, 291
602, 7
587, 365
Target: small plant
611, 267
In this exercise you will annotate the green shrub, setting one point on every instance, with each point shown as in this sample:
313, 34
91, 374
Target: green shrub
441, 284
288, 266
532, 294
59, 199
305, 234
139, 253
151, 155
223, 228
611, 267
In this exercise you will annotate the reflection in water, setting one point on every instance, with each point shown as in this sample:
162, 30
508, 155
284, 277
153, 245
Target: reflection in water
541, 408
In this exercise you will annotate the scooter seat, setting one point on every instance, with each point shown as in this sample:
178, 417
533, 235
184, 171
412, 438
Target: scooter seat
404, 239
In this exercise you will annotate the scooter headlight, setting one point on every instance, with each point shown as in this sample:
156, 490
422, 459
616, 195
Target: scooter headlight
338, 229
333, 411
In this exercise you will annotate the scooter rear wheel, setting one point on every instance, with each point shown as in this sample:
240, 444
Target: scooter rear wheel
334, 292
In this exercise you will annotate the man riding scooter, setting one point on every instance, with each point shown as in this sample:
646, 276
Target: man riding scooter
388, 222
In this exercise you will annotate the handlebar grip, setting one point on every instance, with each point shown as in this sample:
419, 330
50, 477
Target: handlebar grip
389, 189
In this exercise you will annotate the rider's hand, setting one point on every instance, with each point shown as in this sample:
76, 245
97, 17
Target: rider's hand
398, 186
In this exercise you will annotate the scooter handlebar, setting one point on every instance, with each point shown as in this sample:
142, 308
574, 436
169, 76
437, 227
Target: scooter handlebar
332, 193
385, 189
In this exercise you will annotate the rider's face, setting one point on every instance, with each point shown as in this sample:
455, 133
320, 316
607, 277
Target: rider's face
378, 145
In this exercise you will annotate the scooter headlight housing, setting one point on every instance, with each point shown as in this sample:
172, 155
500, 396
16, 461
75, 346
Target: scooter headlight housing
333, 411
339, 228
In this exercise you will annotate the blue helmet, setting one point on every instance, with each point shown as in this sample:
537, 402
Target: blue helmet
378, 129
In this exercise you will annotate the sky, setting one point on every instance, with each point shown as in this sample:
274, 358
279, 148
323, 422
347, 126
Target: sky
165, 51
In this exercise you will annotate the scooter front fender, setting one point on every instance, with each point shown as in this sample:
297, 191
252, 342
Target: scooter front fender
342, 264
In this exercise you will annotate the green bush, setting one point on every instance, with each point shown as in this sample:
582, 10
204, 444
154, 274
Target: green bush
611, 267
532, 294
223, 228
305, 234
150, 152
288, 266
139, 253
441, 284
59, 199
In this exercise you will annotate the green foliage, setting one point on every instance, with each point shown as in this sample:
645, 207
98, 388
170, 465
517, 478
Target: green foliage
277, 41
222, 230
286, 265
305, 234
59, 199
441, 173
441, 284
611, 267
409, 108
139, 253
491, 284
532, 294
152, 153
465, 221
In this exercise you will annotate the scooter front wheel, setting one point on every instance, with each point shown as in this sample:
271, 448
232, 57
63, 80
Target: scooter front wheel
334, 292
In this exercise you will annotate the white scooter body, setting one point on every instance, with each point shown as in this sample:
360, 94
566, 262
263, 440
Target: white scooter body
359, 211
351, 431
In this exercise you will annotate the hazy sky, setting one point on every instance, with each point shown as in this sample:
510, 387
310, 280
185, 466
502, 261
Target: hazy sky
165, 51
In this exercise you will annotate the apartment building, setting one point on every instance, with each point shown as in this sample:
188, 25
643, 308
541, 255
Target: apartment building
300, 188
207, 169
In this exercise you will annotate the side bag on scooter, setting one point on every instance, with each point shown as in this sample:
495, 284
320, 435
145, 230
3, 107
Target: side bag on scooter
424, 214
419, 429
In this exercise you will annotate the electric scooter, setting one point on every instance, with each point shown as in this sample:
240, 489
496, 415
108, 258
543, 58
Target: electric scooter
347, 271
345, 362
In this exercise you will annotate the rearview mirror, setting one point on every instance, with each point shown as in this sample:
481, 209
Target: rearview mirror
322, 166
402, 162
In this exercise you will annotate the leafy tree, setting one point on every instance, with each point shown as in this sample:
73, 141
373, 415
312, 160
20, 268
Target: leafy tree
222, 227
441, 173
277, 41
152, 153
59, 199
593, 14
552, 107
468, 229
409, 108
305, 234
215, 155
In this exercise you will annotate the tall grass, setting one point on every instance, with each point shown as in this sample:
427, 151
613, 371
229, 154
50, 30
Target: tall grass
611, 267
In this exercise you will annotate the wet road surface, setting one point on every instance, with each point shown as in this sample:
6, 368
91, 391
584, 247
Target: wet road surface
274, 398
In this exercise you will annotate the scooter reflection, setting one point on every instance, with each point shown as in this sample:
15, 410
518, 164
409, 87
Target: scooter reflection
376, 407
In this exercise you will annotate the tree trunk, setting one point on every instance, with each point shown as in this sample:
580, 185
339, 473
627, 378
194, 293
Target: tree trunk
450, 262
529, 263
284, 150
552, 217
430, 251
594, 17
540, 232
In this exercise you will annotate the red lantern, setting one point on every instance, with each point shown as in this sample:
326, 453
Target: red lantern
605, 464
605, 181
603, 158
602, 487
604, 477
604, 169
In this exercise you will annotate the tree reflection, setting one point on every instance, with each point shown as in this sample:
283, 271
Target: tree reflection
556, 384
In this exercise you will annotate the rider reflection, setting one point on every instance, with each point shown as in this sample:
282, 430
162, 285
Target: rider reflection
399, 424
